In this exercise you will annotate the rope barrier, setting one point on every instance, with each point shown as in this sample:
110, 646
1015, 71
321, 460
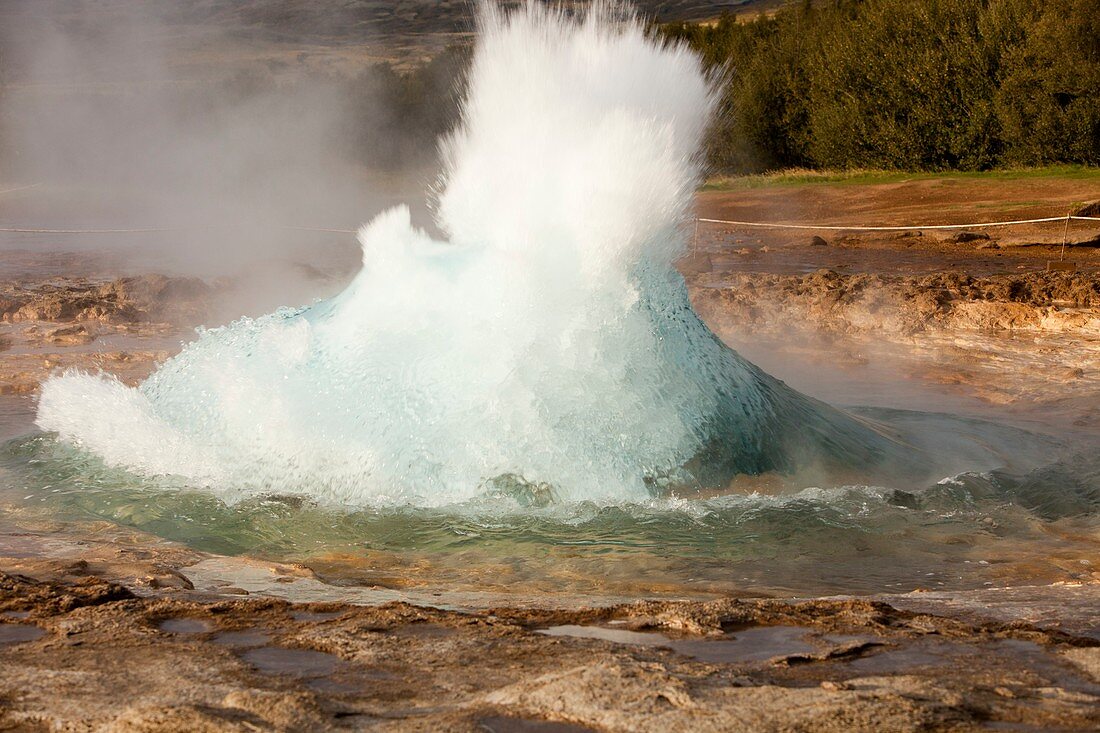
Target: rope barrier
759, 224
856, 228
152, 230
19, 188
22, 230
319, 229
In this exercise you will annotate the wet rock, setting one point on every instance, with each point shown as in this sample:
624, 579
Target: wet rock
827, 301
508, 724
233, 590
1092, 209
125, 300
304, 663
169, 578
415, 668
19, 633
525, 493
184, 626
623, 696
1087, 659
20, 593
69, 335
181, 718
152, 297
616, 694
294, 710
964, 237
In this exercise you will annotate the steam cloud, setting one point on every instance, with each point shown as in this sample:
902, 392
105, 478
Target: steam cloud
128, 115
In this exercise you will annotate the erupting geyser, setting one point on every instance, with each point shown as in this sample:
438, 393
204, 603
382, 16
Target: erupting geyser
548, 341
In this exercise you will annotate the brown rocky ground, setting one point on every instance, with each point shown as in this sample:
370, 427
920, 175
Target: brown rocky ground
1006, 316
885, 200
127, 325
906, 305
105, 629
79, 652
123, 326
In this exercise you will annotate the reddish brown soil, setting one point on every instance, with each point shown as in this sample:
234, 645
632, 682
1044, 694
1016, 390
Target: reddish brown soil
929, 201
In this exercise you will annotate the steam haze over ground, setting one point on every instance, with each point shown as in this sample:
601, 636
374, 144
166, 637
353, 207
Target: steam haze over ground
123, 123
225, 121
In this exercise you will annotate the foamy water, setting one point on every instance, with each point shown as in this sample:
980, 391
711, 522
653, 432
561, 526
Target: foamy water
547, 346
972, 530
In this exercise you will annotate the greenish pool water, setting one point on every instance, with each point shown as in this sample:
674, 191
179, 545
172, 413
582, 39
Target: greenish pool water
968, 530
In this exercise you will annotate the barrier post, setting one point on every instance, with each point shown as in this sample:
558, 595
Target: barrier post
1065, 235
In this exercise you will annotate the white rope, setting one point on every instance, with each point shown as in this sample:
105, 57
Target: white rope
23, 230
19, 188
150, 230
760, 224
837, 228
319, 229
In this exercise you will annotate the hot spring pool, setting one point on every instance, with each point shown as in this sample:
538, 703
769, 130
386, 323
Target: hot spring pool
531, 405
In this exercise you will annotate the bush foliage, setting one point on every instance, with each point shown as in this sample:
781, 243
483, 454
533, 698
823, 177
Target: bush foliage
905, 84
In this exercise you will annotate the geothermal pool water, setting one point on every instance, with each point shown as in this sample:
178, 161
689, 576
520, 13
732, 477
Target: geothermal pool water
531, 402
969, 531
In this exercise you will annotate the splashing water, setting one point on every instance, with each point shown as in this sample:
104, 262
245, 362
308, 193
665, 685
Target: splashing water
548, 344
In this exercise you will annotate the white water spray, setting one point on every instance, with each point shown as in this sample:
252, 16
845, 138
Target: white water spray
548, 341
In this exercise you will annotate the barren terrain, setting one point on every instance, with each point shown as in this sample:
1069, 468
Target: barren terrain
103, 628
156, 653
1004, 316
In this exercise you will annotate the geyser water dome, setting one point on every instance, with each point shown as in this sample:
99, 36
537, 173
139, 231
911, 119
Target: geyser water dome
548, 342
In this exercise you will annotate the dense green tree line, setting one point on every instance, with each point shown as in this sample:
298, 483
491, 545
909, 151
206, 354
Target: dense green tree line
894, 84
905, 84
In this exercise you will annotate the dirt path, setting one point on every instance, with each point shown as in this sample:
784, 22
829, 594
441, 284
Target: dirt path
903, 203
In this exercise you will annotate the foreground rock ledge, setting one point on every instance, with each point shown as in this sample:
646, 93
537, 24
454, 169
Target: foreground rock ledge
88, 654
